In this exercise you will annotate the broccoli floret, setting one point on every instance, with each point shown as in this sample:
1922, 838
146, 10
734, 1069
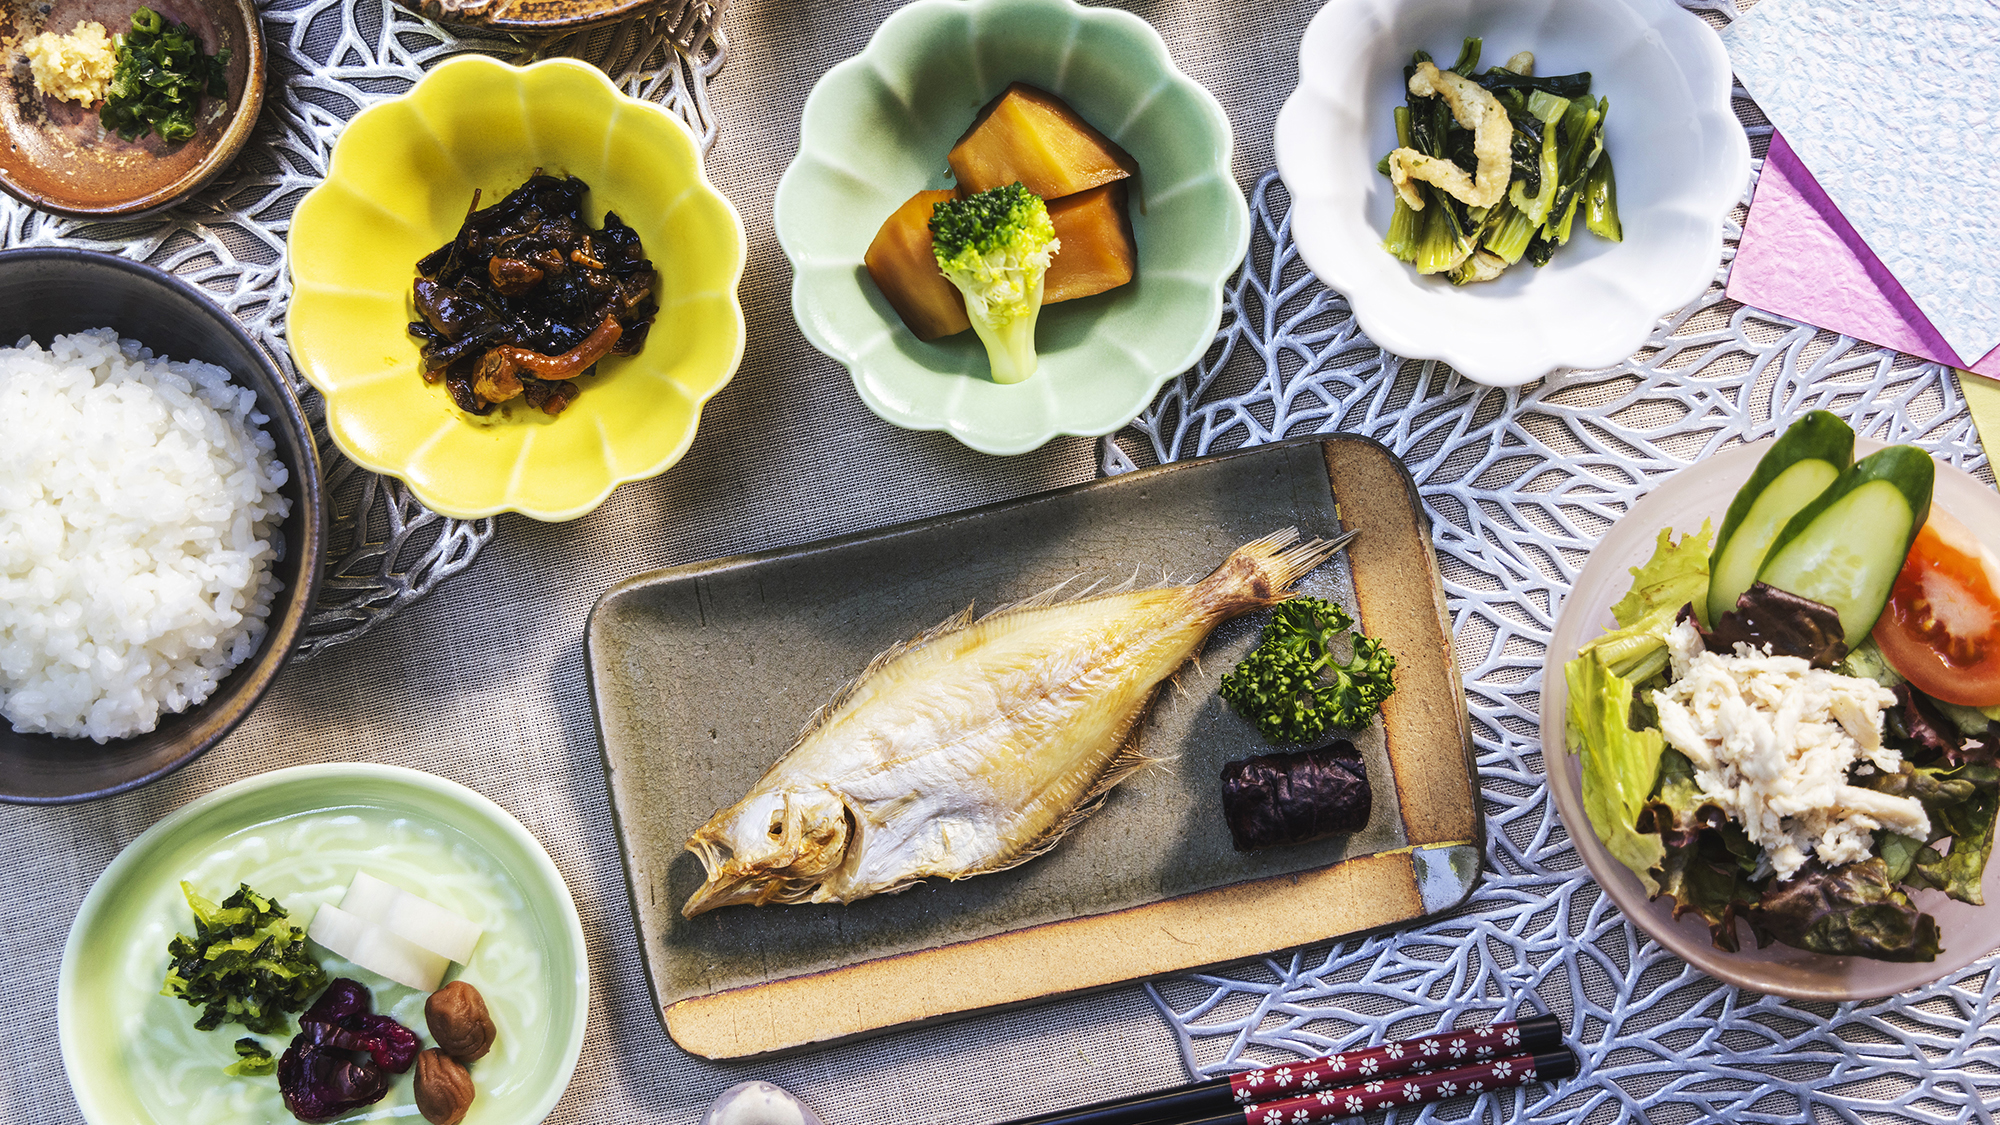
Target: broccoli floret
1292, 687
996, 247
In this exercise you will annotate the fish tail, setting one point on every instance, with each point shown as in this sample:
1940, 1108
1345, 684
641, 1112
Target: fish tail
1263, 572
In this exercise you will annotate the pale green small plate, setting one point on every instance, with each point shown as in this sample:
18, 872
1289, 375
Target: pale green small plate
876, 131
133, 1055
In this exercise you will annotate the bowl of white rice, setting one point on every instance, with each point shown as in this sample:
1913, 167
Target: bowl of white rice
161, 524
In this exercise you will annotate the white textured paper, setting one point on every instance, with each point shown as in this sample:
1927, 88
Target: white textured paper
1894, 105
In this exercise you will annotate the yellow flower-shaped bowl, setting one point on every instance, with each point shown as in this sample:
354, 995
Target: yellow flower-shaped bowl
397, 188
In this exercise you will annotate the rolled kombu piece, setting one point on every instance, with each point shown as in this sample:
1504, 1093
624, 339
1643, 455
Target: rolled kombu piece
1276, 799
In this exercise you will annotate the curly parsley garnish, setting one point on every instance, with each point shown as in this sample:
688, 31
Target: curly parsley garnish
1295, 688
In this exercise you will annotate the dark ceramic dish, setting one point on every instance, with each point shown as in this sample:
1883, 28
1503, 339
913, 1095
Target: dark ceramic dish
47, 292
59, 158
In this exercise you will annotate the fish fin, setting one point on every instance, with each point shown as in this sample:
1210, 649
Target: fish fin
957, 621
1054, 595
1264, 571
1128, 760
1046, 598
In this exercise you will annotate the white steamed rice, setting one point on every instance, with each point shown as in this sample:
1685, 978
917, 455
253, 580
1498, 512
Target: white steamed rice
139, 511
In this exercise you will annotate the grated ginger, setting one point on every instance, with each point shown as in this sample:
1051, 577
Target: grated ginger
76, 67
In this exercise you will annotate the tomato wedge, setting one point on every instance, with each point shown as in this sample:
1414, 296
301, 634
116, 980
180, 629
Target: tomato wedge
1941, 628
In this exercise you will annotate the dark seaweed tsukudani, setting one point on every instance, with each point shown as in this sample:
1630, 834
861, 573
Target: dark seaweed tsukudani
528, 297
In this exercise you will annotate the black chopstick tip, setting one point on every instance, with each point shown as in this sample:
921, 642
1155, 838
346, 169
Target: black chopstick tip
1542, 1033
1553, 1066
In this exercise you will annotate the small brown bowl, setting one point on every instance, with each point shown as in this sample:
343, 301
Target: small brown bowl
58, 157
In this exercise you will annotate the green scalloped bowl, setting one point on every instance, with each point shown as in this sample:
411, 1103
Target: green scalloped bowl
875, 132
134, 1057
397, 188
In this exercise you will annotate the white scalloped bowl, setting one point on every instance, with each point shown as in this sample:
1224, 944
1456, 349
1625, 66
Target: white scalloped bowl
876, 131
1682, 158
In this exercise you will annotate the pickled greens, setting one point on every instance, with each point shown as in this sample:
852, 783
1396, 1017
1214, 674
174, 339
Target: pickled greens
1460, 130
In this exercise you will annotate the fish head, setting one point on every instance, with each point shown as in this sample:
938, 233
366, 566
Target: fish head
775, 845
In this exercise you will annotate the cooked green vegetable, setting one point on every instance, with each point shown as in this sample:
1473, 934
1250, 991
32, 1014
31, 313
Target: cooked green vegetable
1806, 458
1559, 168
1292, 685
995, 247
252, 1060
1846, 547
244, 964
160, 78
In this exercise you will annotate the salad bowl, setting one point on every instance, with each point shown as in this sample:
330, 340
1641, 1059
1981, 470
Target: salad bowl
876, 130
1682, 159
1702, 492
398, 186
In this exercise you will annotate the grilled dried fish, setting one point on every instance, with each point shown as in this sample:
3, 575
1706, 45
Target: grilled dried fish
975, 746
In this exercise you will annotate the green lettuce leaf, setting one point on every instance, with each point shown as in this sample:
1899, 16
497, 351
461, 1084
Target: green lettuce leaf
1848, 911
1899, 854
1961, 802
1676, 575
1619, 764
1969, 822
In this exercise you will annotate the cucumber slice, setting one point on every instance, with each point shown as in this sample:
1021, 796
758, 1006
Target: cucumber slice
1811, 454
1846, 547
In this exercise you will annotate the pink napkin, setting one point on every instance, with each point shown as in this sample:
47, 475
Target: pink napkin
1800, 258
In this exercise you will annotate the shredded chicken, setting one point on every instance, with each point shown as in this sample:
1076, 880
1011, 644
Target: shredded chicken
1492, 143
1772, 739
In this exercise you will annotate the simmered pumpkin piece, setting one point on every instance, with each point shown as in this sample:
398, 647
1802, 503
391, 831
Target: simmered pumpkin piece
1098, 253
1097, 248
901, 262
1030, 135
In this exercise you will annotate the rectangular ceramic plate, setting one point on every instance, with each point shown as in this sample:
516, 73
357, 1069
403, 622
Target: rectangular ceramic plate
703, 675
